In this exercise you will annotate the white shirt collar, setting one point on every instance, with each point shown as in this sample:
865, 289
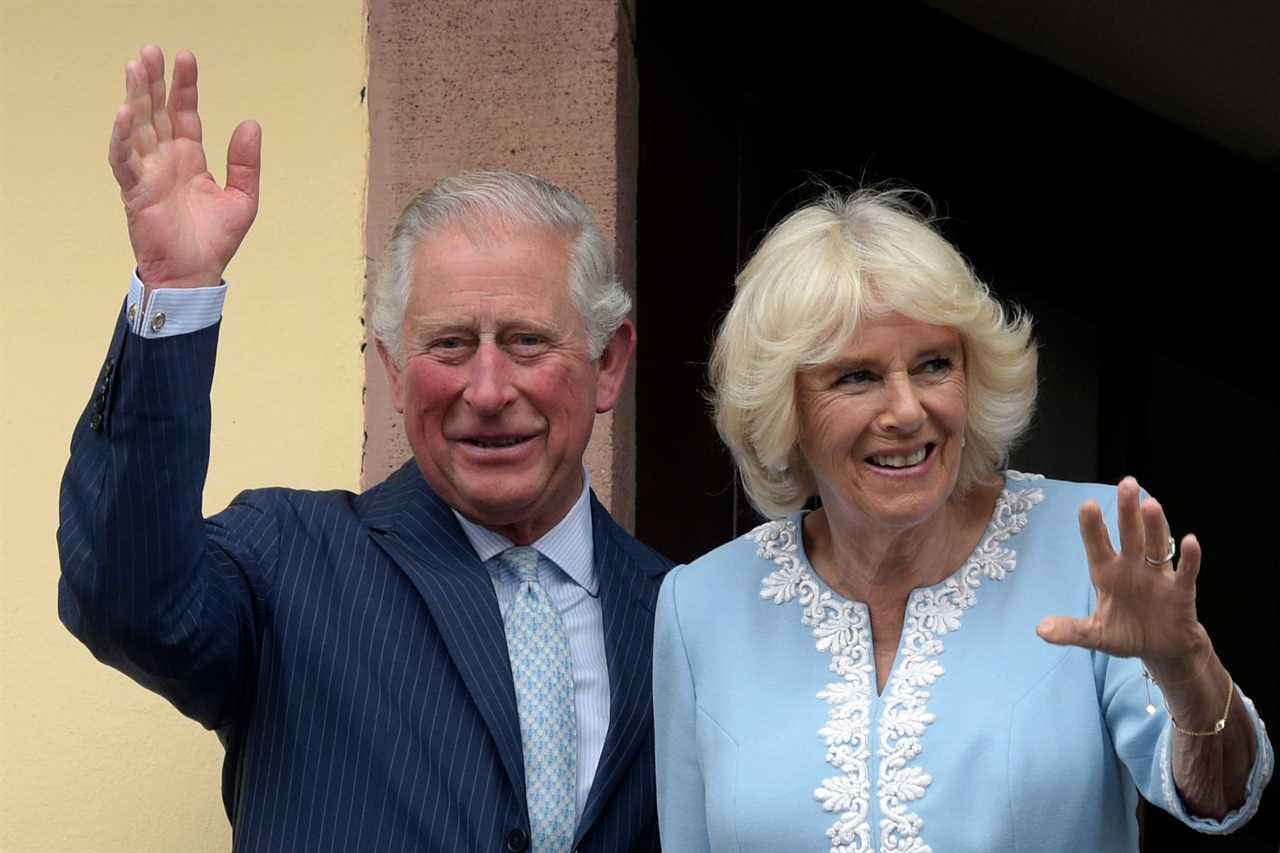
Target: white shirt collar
569, 544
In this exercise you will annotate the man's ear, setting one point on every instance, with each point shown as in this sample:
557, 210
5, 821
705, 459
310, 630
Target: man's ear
611, 368
393, 378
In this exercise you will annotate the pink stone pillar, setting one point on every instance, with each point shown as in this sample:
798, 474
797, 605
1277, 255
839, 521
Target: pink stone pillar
549, 88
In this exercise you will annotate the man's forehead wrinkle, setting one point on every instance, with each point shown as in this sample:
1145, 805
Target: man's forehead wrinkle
488, 230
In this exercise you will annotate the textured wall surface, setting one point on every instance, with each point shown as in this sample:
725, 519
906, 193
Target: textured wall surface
89, 761
547, 88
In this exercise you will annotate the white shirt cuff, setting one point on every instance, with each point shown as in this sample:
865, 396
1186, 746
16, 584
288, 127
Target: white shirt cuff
173, 311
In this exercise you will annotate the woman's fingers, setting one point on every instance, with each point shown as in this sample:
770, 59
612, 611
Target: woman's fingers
1189, 562
1067, 631
1129, 519
1156, 534
1093, 532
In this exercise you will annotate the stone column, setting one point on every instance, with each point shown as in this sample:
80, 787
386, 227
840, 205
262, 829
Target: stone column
548, 88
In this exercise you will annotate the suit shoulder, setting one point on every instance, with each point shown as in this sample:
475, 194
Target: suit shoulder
642, 553
284, 500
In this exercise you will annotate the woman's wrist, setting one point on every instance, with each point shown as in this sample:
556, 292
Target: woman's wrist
1185, 666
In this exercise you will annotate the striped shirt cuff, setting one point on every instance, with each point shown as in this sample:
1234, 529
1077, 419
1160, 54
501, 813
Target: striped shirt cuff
173, 311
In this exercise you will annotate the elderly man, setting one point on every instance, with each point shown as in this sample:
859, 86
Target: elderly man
455, 660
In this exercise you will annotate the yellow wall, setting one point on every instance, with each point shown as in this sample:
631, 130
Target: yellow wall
88, 760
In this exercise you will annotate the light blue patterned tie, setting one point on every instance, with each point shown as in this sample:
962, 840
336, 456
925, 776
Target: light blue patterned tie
539, 652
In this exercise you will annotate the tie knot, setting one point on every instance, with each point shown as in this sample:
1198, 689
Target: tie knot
522, 560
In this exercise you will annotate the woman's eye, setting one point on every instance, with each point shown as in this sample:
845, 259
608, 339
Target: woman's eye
937, 365
858, 377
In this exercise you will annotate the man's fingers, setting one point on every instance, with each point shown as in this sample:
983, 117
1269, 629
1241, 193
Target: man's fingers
184, 98
138, 97
1093, 532
244, 160
153, 62
120, 154
1132, 537
1066, 631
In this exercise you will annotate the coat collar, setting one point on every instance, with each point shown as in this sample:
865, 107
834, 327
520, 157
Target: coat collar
628, 596
420, 533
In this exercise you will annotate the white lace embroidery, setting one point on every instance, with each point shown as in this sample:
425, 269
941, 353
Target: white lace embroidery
843, 629
1173, 801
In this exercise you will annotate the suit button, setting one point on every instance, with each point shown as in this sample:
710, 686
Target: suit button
95, 423
99, 402
517, 841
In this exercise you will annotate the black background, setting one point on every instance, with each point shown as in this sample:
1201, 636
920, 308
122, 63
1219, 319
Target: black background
1147, 255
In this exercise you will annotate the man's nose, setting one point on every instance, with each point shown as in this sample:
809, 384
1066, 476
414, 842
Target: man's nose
489, 388
903, 412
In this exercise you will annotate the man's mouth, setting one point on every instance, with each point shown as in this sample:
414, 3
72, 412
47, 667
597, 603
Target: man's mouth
488, 443
886, 460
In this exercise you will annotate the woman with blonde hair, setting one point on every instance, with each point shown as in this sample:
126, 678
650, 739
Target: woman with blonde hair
867, 675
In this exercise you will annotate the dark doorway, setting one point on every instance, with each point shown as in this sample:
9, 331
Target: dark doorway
1146, 254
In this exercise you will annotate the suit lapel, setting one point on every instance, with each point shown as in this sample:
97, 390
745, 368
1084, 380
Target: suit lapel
420, 533
628, 596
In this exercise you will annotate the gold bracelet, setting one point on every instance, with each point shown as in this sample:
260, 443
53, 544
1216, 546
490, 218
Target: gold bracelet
1217, 727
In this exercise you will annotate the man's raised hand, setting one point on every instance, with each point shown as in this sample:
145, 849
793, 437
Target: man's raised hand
184, 227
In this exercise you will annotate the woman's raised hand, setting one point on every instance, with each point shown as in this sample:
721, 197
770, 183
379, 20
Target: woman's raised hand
1146, 608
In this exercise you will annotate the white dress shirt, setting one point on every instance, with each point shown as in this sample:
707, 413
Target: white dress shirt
574, 589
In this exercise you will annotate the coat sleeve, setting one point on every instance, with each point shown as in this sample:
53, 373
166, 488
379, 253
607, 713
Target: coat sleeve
1144, 741
681, 792
147, 584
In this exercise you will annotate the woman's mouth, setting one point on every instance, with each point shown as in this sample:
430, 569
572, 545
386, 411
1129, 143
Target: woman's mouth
898, 461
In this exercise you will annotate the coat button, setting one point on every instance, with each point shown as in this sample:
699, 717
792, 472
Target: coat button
99, 402
157, 321
517, 841
95, 423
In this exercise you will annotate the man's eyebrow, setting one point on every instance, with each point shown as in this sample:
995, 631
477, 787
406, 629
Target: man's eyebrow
425, 327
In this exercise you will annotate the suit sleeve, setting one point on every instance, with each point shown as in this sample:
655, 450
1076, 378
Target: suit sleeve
146, 584
681, 793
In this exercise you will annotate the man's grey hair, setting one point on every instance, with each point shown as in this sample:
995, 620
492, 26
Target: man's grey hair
487, 205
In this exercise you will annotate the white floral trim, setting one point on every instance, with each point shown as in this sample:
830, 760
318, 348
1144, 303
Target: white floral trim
1258, 779
843, 629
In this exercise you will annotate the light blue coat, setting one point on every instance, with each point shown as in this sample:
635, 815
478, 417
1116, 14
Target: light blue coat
771, 738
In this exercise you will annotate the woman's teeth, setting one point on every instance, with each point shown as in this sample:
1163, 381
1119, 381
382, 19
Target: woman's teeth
901, 461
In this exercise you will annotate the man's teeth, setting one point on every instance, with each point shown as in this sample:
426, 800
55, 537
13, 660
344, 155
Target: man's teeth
496, 442
901, 461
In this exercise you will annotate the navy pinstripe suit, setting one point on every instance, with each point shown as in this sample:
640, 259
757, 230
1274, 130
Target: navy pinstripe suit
348, 649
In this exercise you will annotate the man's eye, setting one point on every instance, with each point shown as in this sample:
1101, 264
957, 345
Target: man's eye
526, 342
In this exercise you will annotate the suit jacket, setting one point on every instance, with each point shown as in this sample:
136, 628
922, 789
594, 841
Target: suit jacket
347, 649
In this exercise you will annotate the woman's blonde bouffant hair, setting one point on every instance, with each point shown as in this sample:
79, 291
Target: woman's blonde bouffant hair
798, 303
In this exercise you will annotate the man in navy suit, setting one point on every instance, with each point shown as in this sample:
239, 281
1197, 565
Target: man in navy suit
457, 659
